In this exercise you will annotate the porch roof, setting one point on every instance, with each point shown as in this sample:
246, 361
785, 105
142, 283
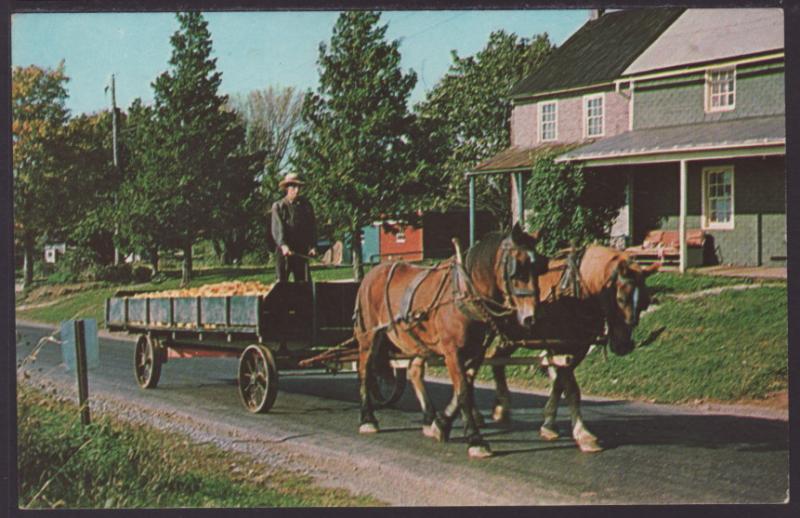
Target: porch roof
740, 137
516, 158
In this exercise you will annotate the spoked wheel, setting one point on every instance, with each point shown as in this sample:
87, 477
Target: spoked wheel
258, 379
147, 362
389, 386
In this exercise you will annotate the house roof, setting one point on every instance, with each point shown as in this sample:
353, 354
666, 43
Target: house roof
728, 134
599, 51
703, 35
516, 158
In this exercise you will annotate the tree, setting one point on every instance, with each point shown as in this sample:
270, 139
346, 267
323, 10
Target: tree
190, 145
465, 118
573, 206
355, 145
270, 118
39, 150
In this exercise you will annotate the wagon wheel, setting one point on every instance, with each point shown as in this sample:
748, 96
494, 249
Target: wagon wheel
258, 379
389, 386
147, 362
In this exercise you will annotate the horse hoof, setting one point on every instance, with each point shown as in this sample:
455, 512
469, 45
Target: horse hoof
548, 434
368, 428
428, 431
589, 446
501, 414
481, 451
438, 432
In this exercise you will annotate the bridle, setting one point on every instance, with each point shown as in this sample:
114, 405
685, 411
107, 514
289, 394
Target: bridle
509, 270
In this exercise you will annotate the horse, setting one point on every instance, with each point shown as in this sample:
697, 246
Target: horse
596, 292
442, 311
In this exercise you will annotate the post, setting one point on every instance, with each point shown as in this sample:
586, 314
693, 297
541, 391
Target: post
471, 210
520, 200
81, 368
114, 146
629, 203
682, 218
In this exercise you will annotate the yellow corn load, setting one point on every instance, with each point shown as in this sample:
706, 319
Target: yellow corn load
221, 289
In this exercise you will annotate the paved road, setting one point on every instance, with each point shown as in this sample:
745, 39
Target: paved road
655, 453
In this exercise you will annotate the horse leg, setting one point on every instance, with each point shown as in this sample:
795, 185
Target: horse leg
549, 430
416, 374
501, 412
476, 446
471, 373
586, 441
366, 374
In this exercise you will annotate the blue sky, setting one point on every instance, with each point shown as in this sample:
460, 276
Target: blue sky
253, 49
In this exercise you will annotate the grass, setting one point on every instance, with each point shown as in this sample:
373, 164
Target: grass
115, 464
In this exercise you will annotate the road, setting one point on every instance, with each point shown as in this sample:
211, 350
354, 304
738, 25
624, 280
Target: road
655, 454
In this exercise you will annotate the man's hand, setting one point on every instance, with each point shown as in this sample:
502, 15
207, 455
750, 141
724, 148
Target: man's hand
285, 250
312, 252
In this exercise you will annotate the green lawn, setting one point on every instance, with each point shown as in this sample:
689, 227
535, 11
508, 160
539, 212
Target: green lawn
116, 464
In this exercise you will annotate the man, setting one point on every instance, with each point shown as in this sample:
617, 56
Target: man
294, 230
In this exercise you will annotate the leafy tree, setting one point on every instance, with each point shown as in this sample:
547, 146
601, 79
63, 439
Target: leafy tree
96, 181
39, 151
465, 118
270, 117
187, 162
573, 205
355, 146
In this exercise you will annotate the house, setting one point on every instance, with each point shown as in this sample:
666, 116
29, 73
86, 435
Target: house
53, 251
706, 145
684, 106
573, 98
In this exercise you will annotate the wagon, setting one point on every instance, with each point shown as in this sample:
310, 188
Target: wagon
293, 326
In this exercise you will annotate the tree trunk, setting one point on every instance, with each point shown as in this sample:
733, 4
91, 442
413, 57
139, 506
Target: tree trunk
358, 264
186, 274
154, 260
220, 250
27, 268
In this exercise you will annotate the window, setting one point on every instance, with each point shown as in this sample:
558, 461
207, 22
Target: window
593, 118
718, 197
720, 90
547, 121
400, 237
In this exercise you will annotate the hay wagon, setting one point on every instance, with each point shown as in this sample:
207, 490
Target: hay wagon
292, 326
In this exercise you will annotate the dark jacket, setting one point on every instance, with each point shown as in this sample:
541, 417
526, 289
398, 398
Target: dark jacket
294, 225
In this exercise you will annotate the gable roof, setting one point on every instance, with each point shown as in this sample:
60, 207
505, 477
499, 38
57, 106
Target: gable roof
599, 51
702, 35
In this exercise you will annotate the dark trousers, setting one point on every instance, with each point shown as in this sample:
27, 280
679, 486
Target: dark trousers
286, 264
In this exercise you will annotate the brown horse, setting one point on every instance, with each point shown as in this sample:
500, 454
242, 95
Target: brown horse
601, 293
443, 311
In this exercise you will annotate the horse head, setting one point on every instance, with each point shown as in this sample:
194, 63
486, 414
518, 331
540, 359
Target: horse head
517, 270
624, 298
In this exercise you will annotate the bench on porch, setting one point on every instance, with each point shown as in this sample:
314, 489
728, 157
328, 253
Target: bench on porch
664, 246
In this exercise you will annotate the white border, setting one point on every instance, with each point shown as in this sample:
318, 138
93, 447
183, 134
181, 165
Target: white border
540, 113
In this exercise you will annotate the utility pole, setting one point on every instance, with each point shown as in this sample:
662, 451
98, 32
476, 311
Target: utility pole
116, 163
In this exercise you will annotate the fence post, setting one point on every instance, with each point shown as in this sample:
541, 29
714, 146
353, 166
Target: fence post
80, 363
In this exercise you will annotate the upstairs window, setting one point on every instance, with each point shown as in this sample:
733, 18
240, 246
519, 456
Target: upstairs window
547, 121
593, 115
720, 90
718, 197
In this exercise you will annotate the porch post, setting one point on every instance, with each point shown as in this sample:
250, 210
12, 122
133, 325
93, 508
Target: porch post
682, 218
520, 200
471, 210
629, 203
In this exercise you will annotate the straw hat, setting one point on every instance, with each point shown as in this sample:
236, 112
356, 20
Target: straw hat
290, 179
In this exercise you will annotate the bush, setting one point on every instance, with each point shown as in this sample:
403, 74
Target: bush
120, 273
142, 274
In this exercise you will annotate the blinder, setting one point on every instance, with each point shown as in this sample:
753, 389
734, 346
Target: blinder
511, 271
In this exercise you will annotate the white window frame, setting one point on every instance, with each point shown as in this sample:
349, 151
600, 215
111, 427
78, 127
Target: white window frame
400, 237
715, 225
586, 99
709, 95
554, 121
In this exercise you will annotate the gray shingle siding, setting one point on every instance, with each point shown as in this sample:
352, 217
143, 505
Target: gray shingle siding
759, 233
758, 93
